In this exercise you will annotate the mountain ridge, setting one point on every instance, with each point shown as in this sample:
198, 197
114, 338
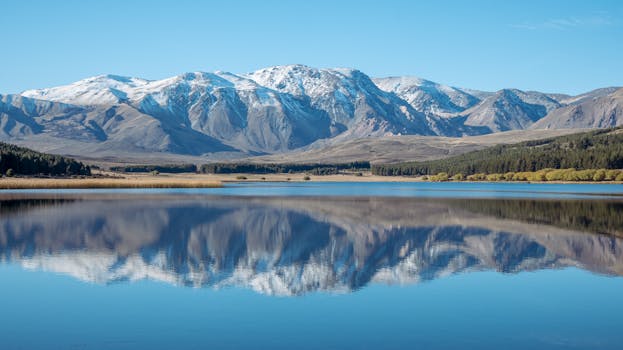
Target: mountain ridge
279, 109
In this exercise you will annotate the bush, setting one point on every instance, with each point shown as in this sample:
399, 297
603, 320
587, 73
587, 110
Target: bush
600, 175
154, 172
540, 176
584, 175
612, 174
495, 177
9, 172
241, 177
307, 178
619, 177
477, 177
442, 177
556, 175
458, 177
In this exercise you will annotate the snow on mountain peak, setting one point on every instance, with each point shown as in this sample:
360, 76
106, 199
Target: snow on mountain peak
427, 96
101, 89
301, 80
278, 108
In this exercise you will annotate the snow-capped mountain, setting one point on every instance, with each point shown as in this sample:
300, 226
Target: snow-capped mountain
427, 96
272, 110
351, 99
285, 246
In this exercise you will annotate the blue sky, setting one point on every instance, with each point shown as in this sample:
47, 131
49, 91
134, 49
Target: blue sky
558, 46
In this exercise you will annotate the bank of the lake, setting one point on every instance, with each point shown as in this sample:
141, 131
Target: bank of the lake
192, 180
110, 182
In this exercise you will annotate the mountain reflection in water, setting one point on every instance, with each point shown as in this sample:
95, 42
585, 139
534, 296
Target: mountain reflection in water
293, 246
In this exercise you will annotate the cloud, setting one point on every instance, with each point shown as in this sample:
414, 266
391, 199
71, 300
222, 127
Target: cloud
567, 23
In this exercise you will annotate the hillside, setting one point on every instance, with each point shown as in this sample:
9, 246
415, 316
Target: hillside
395, 149
600, 149
601, 111
16, 160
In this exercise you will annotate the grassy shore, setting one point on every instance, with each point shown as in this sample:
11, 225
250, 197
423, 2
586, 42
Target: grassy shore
183, 180
191, 180
131, 182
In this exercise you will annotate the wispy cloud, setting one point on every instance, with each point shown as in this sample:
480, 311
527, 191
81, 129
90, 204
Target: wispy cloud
567, 23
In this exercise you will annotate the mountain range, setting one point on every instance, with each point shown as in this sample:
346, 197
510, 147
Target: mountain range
276, 110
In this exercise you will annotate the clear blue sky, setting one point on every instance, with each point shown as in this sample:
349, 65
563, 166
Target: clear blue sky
562, 46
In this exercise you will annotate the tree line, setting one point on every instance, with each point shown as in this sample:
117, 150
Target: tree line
165, 168
273, 168
599, 149
16, 160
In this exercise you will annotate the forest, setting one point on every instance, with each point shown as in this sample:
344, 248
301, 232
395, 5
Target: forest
599, 149
313, 169
16, 160
165, 168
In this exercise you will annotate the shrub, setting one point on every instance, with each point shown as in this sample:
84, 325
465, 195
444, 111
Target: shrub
495, 177
477, 177
600, 175
443, 177
307, 178
619, 177
558, 175
584, 175
241, 177
458, 177
611, 175
9, 172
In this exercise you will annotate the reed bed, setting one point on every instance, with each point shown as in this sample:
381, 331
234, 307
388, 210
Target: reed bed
35, 183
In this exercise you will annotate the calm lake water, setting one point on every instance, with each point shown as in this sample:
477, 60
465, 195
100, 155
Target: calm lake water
314, 266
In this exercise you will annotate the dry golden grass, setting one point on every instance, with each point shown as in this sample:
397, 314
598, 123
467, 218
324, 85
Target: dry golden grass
151, 182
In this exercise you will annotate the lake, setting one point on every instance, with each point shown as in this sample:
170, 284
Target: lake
314, 266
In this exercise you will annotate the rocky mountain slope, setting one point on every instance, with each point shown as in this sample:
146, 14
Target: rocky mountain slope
275, 110
599, 111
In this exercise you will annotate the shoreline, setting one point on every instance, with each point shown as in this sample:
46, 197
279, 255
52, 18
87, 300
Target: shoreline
26, 183
191, 180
